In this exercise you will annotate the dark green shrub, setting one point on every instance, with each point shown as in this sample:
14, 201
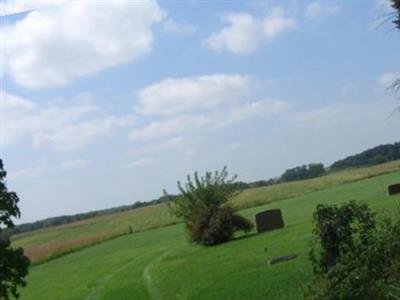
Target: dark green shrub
353, 255
203, 206
215, 225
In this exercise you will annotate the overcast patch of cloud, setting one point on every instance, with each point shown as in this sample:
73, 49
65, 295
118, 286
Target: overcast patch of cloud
54, 46
245, 32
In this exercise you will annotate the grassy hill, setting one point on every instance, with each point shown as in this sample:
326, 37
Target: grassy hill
45, 244
162, 264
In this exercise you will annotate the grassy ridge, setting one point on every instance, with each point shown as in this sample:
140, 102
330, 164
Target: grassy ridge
45, 244
162, 264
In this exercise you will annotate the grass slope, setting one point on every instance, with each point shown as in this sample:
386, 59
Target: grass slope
162, 264
42, 245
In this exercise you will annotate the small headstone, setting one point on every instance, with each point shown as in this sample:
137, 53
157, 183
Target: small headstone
394, 189
269, 220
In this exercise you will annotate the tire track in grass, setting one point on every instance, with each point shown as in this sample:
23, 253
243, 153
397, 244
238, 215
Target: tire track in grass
152, 290
104, 280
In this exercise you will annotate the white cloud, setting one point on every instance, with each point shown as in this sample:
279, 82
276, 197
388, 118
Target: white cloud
245, 33
171, 26
230, 115
76, 135
139, 163
318, 11
52, 47
59, 127
386, 80
22, 6
344, 115
49, 168
172, 96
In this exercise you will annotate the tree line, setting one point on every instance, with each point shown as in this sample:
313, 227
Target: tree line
373, 156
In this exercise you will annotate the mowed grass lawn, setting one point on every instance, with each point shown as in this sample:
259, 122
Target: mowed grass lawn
162, 264
42, 245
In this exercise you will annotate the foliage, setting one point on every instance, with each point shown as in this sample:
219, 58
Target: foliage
374, 156
303, 172
204, 209
354, 256
13, 263
396, 7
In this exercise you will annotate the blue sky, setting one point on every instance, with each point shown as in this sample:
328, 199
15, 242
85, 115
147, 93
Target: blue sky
107, 103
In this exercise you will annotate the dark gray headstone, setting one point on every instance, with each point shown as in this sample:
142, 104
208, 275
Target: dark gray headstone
394, 189
269, 220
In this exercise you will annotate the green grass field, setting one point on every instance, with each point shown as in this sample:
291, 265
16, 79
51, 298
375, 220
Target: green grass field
161, 264
49, 243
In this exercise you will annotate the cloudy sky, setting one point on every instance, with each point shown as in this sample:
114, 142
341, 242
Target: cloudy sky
107, 103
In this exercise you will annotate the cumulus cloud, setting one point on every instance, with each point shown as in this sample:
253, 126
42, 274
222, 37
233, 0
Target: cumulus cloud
245, 33
60, 128
55, 46
182, 95
318, 11
43, 169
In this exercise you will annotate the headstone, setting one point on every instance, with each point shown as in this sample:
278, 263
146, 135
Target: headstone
394, 189
269, 220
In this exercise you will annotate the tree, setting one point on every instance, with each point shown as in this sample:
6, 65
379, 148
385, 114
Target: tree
354, 254
203, 206
13, 263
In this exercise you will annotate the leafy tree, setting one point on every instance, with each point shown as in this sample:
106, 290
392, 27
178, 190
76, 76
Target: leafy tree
353, 255
13, 263
203, 206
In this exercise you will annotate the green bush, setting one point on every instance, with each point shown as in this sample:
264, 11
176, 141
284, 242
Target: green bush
203, 206
353, 255
215, 225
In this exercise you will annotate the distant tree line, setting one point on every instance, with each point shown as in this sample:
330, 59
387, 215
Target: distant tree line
298, 173
374, 156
